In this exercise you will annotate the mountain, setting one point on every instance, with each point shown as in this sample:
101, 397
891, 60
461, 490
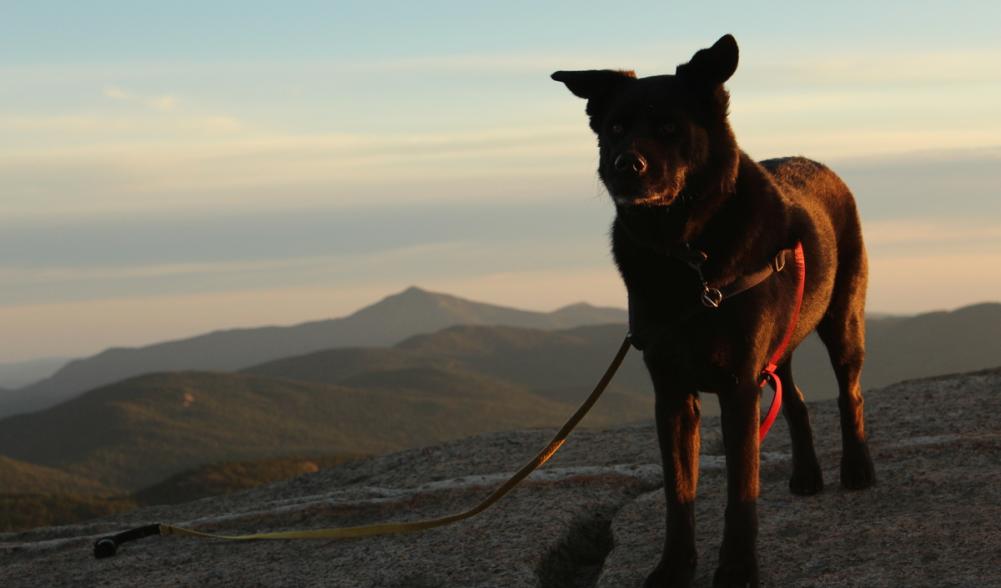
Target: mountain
386, 322
427, 388
901, 348
18, 477
32, 495
21, 373
139, 431
549, 364
560, 365
935, 343
460, 381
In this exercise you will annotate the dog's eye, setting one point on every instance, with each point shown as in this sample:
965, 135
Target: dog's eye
617, 129
668, 128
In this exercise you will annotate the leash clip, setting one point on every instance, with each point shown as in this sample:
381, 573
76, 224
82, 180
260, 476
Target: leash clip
711, 297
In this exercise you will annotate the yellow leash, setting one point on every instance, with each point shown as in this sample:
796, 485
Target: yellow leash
107, 546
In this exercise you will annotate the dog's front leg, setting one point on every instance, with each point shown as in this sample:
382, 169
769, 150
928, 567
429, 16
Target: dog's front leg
678, 417
738, 564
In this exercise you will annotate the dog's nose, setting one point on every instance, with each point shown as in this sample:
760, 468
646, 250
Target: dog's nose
630, 161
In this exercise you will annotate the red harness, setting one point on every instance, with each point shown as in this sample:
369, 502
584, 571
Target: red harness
768, 373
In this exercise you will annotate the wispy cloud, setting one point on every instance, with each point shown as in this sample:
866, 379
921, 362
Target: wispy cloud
919, 281
845, 67
106, 131
160, 103
208, 162
276, 292
925, 233
116, 93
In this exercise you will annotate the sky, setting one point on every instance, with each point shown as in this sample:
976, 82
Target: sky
172, 168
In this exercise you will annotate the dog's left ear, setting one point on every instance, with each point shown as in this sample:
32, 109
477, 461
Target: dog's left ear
709, 68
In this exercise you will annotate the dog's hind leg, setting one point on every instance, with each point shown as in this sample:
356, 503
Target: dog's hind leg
843, 332
807, 478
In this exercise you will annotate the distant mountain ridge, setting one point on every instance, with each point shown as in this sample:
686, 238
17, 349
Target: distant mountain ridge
425, 389
19, 477
410, 312
906, 348
18, 374
136, 432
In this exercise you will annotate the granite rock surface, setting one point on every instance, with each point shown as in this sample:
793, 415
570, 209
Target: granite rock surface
592, 517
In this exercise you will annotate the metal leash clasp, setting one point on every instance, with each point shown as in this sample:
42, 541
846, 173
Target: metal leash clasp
695, 259
711, 297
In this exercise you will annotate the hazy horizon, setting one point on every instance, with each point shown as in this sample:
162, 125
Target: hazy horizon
165, 175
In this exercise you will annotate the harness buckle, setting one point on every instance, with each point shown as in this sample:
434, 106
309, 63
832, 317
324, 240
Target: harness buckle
779, 262
711, 297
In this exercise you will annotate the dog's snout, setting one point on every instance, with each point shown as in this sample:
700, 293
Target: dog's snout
630, 162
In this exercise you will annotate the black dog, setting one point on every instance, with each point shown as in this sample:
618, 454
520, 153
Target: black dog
694, 213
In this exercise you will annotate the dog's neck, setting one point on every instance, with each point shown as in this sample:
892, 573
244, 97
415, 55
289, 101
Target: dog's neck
717, 216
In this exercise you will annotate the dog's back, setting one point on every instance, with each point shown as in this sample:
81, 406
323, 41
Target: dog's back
818, 190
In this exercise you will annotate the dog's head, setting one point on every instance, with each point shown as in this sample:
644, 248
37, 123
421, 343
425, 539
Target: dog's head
662, 137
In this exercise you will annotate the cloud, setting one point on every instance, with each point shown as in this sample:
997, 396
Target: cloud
877, 68
855, 143
116, 93
926, 233
919, 282
84, 326
162, 103
218, 162
107, 132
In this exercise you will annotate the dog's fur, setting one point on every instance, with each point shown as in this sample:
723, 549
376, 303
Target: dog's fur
672, 166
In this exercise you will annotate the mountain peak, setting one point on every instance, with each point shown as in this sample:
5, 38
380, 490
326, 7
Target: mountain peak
413, 294
412, 299
415, 291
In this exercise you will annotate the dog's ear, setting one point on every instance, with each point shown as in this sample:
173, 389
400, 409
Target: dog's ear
709, 68
593, 83
596, 86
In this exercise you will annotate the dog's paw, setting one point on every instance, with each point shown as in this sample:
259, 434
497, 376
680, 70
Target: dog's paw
857, 472
671, 574
806, 480
736, 574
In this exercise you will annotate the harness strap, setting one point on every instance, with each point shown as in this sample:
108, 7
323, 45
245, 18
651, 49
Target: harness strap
768, 373
712, 297
749, 281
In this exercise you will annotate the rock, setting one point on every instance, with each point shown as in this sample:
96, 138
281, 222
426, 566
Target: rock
592, 517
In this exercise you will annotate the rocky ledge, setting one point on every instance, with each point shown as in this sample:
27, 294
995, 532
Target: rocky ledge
592, 517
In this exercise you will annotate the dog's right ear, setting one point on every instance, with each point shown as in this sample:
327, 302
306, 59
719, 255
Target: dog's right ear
593, 83
596, 86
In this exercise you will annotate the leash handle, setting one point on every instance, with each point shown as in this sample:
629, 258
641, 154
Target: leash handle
108, 546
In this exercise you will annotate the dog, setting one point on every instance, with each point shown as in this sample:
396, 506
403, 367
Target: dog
694, 213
